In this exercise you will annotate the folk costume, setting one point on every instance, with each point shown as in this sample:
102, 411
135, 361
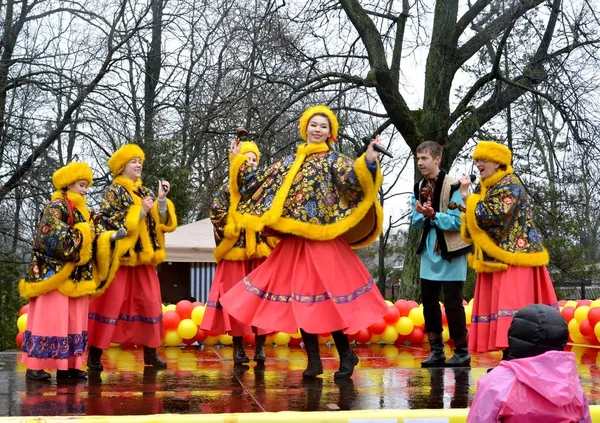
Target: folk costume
508, 256
130, 308
236, 257
443, 266
321, 203
59, 280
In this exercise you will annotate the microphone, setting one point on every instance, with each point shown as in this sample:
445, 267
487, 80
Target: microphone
473, 178
377, 147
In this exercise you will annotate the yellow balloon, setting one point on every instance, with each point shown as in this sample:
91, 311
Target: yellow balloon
171, 307
164, 308
416, 316
198, 314
296, 335
445, 334
404, 326
322, 339
187, 329
22, 322
226, 339
281, 338
571, 303
389, 335
114, 344
471, 302
595, 303
388, 302
468, 313
581, 313
172, 338
210, 340
597, 330
574, 329
375, 339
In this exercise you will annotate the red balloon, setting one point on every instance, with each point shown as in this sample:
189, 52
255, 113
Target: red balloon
24, 309
562, 303
189, 341
392, 315
184, 309
584, 302
295, 341
325, 334
378, 327
465, 302
200, 335
19, 339
413, 304
586, 329
362, 336
196, 304
401, 339
594, 316
171, 320
128, 345
249, 339
416, 336
213, 334
403, 307
568, 313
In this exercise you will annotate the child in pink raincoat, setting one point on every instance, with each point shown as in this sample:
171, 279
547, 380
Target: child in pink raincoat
539, 381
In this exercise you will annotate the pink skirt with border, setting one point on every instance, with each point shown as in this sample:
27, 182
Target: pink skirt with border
56, 336
216, 320
319, 286
129, 311
498, 297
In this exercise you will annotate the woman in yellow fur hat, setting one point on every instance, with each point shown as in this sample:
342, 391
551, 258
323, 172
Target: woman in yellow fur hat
236, 256
60, 278
129, 308
508, 256
321, 203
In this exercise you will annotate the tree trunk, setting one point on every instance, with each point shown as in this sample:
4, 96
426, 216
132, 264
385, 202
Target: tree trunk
153, 66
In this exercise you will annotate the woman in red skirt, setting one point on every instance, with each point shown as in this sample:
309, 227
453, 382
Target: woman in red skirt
60, 279
321, 203
129, 308
509, 257
236, 256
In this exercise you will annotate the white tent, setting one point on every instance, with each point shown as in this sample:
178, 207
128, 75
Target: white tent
192, 243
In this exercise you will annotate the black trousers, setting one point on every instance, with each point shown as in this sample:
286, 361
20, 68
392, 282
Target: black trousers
455, 312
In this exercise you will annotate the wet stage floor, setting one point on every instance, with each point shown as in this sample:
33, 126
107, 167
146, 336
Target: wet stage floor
201, 381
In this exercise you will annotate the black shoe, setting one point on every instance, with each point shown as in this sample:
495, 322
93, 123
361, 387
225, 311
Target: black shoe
259, 354
461, 358
93, 361
37, 375
239, 356
436, 358
151, 358
77, 374
348, 360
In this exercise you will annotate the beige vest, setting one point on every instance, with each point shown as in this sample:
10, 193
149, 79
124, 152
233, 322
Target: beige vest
453, 239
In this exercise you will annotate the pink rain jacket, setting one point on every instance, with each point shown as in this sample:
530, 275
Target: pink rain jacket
544, 388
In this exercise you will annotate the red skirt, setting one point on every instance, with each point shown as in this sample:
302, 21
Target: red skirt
498, 297
319, 286
129, 311
56, 336
229, 272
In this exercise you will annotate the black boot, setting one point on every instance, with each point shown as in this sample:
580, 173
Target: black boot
239, 355
461, 357
151, 358
348, 358
315, 365
37, 375
71, 374
93, 361
259, 348
436, 357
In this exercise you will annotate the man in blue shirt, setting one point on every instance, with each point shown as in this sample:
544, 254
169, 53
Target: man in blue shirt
443, 255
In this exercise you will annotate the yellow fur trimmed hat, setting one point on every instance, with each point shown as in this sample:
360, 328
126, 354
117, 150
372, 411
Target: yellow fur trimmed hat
492, 151
319, 110
123, 155
250, 147
71, 173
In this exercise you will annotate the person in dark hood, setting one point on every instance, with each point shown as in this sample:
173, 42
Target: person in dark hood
538, 381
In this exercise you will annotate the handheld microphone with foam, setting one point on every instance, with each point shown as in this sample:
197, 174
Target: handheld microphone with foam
377, 147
